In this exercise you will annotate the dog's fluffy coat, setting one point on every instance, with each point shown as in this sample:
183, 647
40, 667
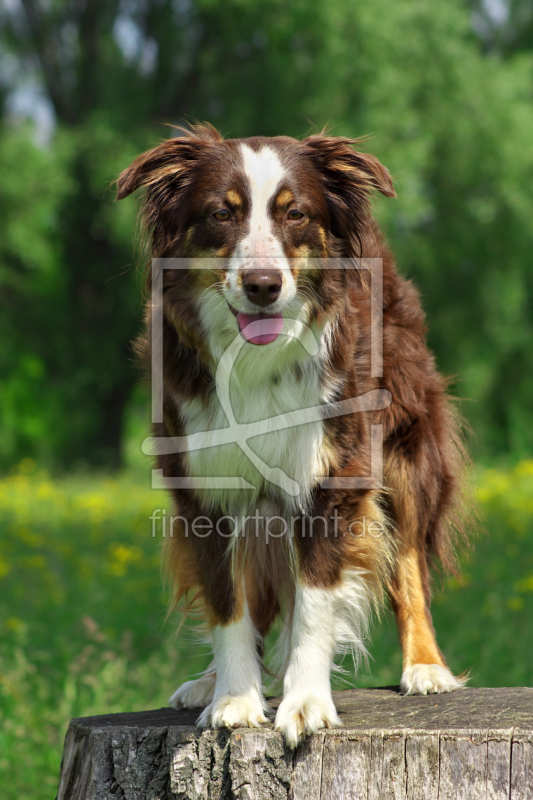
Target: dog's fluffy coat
275, 208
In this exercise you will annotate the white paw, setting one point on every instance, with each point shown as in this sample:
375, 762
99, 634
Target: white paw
194, 694
229, 711
429, 679
302, 714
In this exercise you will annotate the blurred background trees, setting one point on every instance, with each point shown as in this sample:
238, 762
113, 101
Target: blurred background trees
445, 89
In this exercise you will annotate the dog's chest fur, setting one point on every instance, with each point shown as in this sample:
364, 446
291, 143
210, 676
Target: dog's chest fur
298, 451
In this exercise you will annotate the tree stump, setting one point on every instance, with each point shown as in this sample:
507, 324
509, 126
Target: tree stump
473, 743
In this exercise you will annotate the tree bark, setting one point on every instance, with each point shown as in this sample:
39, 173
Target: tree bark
474, 743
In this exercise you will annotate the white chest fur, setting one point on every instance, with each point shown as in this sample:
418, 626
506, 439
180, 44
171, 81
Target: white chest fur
296, 452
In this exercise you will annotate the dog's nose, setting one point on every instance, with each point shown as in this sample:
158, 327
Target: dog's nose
262, 287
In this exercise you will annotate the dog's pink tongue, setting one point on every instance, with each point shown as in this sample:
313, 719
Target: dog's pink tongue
261, 328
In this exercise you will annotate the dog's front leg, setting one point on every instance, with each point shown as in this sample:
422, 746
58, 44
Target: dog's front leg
238, 700
307, 703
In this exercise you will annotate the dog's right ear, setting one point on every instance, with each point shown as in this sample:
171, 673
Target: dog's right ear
167, 172
168, 161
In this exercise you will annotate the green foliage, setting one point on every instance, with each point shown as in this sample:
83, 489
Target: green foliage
449, 109
65, 307
483, 617
83, 610
454, 127
33, 182
451, 119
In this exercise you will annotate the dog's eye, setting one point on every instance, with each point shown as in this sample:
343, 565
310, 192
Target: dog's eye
294, 215
223, 215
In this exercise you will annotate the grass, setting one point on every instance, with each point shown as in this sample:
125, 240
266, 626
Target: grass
82, 609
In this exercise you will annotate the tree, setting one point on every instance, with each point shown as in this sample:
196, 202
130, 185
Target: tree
454, 126
451, 119
111, 72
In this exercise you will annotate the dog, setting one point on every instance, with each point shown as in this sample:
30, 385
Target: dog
283, 515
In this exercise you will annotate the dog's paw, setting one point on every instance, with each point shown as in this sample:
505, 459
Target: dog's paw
194, 694
303, 714
229, 711
429, 679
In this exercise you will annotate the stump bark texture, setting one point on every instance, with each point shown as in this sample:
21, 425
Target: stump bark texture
473, 743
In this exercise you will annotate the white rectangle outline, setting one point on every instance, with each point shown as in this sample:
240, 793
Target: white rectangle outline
374, 266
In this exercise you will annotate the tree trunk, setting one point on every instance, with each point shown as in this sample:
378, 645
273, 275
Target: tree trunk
474, 743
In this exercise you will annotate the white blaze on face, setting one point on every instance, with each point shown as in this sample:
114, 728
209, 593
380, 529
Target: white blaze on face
260, 247
264, 172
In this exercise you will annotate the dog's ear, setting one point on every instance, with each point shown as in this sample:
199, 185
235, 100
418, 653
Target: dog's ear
167, 172
163, 164
348, 178
168, 161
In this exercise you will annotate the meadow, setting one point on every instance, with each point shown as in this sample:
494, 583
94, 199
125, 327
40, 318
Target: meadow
83, 607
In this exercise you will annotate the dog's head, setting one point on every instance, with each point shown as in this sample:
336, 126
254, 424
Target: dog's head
265, 210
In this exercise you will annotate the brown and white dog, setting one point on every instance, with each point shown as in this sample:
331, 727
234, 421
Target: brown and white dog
293, 538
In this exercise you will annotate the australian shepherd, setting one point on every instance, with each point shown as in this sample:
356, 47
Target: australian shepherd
314, 457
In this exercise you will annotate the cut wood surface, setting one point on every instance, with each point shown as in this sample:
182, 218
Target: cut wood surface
473, 743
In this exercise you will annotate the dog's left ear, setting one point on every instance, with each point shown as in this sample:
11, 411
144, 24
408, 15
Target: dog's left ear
348, 177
